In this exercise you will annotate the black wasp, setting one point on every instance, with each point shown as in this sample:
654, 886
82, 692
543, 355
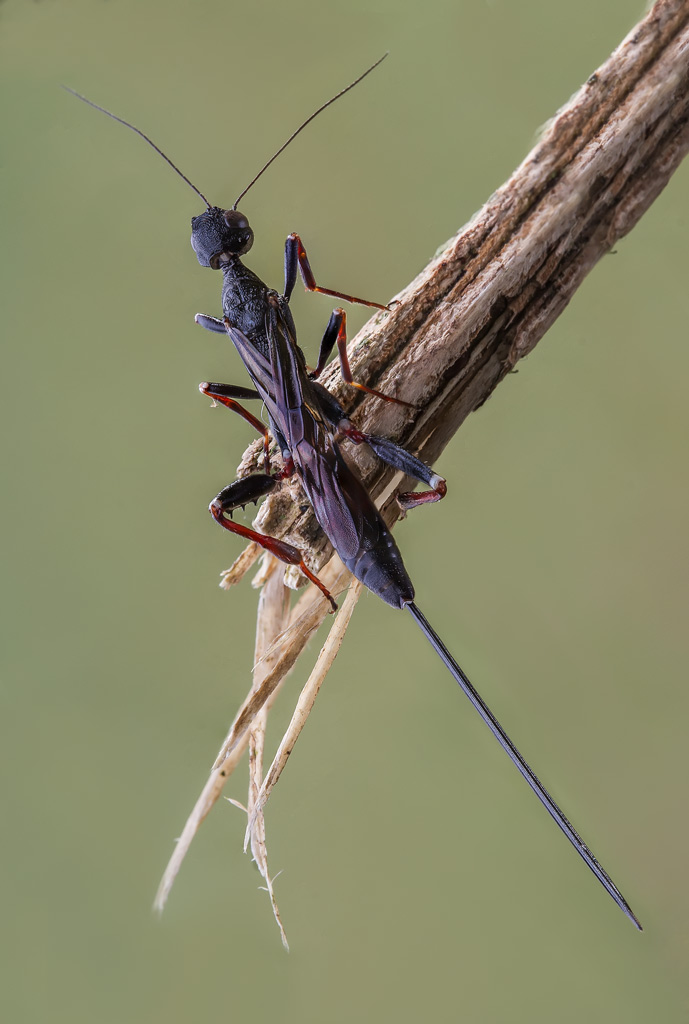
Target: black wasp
309, 425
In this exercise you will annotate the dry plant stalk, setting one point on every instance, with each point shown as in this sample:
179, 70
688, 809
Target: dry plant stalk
307, 699
291, 636
455, 332
272, 618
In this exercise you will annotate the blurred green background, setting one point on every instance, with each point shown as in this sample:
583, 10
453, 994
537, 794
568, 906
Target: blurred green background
421, 880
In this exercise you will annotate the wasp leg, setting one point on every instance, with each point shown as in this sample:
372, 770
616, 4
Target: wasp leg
398, 457
211, 323
295, 257
249, 489
226, 394
336, 334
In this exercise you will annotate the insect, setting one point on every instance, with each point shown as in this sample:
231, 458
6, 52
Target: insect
310, 426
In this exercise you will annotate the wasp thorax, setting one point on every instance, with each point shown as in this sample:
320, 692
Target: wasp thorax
219, 235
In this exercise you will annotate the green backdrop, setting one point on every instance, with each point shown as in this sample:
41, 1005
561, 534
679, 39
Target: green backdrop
421, 880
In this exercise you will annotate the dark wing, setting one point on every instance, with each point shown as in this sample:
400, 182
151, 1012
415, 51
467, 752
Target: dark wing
258, 366
340, 503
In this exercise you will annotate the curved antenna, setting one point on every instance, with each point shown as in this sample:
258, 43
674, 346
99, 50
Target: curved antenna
303, 125
143, 136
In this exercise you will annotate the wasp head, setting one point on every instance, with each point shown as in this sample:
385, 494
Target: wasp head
217, 236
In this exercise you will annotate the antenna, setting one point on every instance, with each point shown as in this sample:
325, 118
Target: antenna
265, 167
143, 136
302, 126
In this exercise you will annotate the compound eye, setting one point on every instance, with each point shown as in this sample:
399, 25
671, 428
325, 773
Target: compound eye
235, 220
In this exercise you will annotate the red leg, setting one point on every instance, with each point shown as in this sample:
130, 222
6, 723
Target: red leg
250, 489
403, 460
340, 317
295, 255
226, 394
